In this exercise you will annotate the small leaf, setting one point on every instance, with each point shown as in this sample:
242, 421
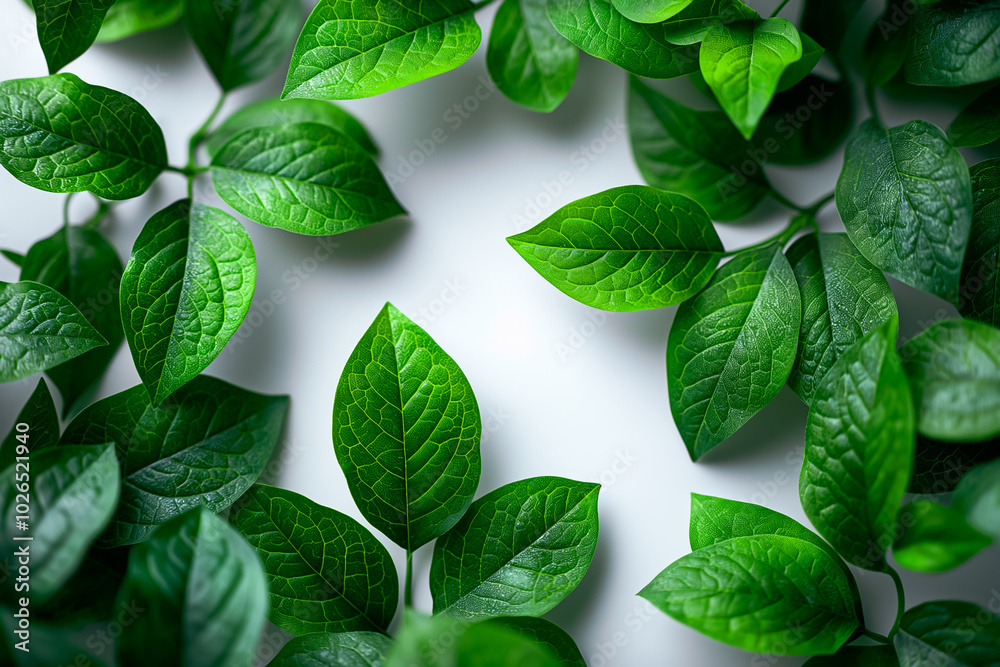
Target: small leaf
935, 538
40, 329
242, 40
74, 491
67, 28
206, 445
748, 592
857, 656
60, 134
977, 124
743, 62
15, 258
127, 18
546, 634
343, 649
518, 551
977, 496
599, 29
304, 177
202, 592
649, 11
690, 25
349, 50
185, 292
624, 249
979, 288
951, 633
732, 346
801, 68
859, 450
905, 197
529, 60
326, 572
844, 298
406, 431
42, 422
828, 21
954, 44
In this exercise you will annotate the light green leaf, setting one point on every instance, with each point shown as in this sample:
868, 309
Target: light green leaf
343, 649
978, 123
624, 249
67, 28
304, 177
954, 44
60, 134
42, 422
326, 572
977, 496
935, 538
132, 17
349, 50
530, 62
649, 11
949, 634
905, 197
801, 68
690, 24
546, 634
406, 431
731, 347
857, 656
979, 288
518, 551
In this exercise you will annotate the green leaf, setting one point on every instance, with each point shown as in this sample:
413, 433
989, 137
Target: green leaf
529, 60
859, 450
743, 62
844, 298
67, 28
948, 633
206, 445
748, 592
60, 134
132, 17
73, 492
349, 50
344, 649
828, 21
695, 153
801, 68
978, 123
624, 249
82, 266
935, 538
954, 370
906, 200
51, 644
787, 139
857, 656
732, 346
886, 47
15, 258
203, 595
40, 329
979, 289
954, 44
242, 40
42, 422
939, 466
546, 634
977, 496
406, 431
304, 177
649, 11
90, 594
275, 113
597, 28
518, 551
690, 24
185, 292
326, 572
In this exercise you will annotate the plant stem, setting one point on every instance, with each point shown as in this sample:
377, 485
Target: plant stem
408, 590
69, 199
900, 600
199, 136
874, 636
778, 9
785, 201
794, 226
872, 105
814, 209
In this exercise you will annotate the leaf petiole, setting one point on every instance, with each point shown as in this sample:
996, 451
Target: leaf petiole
796, 224
408, 587
900, 600
876, 637
778, 9
66, 203
202, 132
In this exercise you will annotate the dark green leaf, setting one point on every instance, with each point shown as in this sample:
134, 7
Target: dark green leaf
624, 249
40, 329
859, 449
349, 50
203, 595
131, 17
732, 346
15, 258
185, 292
406, 431
61, 134
344, 649
326, 572
886, 46
42, 422
90, 594
205, 445
805, 123
938, 466
600, 30
977, 124
827, 20
649, 11
304, 177
82, 266
801, 68
748, 592
51, 644
906, 200
696, 153
274, 113
691, 23
935, 538
73, 492
950, 634
518, 551
242, 40
979, 289
528, 59
547, 634
67, 28
977, 496
954, 44
857, 656
844, 298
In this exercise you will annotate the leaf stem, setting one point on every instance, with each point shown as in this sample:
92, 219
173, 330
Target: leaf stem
900, 600
796, 224
872, 104
199, 136
876, 637
69, 200
778, 9
785, 201
408, 590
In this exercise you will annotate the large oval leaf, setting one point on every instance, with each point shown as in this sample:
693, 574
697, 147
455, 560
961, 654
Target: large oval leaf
906, 200
979, 290
60, 134
936, 538
732, 346
67, 28
326, 572
406, 431
954, 43
349, 49
518, 551
948, 633
185, 292
341, 649
627, 248
206, 445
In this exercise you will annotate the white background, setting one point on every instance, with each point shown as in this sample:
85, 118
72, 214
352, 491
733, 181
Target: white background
564, 390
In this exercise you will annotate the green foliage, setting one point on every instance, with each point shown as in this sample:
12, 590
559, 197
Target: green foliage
127, 18
936, 538
343, 649
979, 288
957, 634
979, 123
977, 496
67, 28
40, 416
954, 44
